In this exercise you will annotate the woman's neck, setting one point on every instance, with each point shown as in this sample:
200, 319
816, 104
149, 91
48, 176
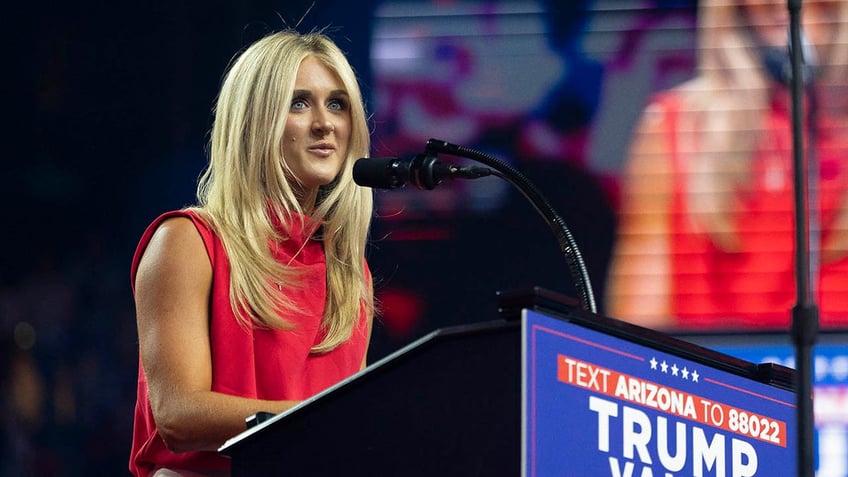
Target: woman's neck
306, 198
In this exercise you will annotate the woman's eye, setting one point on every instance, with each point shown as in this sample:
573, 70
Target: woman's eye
298, 104
337, 105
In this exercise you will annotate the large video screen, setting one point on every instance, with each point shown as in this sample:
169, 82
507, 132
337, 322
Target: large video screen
662, 131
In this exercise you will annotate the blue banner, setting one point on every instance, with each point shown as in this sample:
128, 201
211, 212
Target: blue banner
596, 405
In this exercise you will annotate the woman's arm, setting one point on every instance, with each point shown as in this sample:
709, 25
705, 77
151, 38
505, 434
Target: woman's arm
172, 294
639, 279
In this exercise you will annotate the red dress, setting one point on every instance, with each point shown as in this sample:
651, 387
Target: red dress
253, 363
755, 286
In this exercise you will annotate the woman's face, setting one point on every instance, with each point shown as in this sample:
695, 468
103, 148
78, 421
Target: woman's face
318, 128
770, 19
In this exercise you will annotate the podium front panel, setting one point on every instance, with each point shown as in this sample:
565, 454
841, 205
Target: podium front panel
595, 404
447, 405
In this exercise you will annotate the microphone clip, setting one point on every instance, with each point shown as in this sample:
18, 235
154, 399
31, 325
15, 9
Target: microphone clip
425, 171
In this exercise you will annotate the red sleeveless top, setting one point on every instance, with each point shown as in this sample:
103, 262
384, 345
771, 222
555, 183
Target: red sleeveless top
755, 287
253, 363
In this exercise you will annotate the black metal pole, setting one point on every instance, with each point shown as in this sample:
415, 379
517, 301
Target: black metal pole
805, 314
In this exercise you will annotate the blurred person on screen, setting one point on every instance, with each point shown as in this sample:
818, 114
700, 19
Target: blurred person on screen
706, 228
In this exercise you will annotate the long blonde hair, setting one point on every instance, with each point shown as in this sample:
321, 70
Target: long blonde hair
245, 189
722, 120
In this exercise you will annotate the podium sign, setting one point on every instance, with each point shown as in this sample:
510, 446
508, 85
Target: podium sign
594, 404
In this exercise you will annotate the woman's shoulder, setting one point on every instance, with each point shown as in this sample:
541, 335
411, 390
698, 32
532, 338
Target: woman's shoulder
674, 99
654, 138
663, 103
187, 221
179, 226
178, 233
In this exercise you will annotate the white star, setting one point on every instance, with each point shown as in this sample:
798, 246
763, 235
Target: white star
653, 362
674, 369
694, 376
685, 373
664, 366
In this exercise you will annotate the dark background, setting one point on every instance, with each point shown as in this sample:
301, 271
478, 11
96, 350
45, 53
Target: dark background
110, 112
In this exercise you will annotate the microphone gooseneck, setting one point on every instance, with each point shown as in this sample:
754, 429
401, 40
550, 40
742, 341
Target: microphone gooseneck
566, 241
426, 171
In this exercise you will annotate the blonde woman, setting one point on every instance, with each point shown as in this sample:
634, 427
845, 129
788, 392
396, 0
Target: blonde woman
259, 296
706, 229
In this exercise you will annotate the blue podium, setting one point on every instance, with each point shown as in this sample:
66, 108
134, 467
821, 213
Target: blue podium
547, 389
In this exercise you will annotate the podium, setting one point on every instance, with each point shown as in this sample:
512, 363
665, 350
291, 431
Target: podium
548, 389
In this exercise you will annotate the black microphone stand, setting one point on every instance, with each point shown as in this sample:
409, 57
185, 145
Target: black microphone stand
805, 313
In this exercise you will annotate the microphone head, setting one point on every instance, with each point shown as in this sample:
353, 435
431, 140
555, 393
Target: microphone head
778, 61
377, 172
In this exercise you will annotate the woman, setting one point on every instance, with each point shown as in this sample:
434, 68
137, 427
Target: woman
259, 296
706, 230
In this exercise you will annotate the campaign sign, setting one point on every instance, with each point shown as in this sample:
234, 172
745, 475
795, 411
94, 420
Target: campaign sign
597, 405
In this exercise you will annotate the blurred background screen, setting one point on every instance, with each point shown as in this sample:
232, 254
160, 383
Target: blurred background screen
111, 110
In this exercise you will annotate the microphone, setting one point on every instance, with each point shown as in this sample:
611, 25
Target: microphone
425, 171
778, 61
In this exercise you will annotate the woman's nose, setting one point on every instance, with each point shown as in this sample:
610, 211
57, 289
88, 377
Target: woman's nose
322, 124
